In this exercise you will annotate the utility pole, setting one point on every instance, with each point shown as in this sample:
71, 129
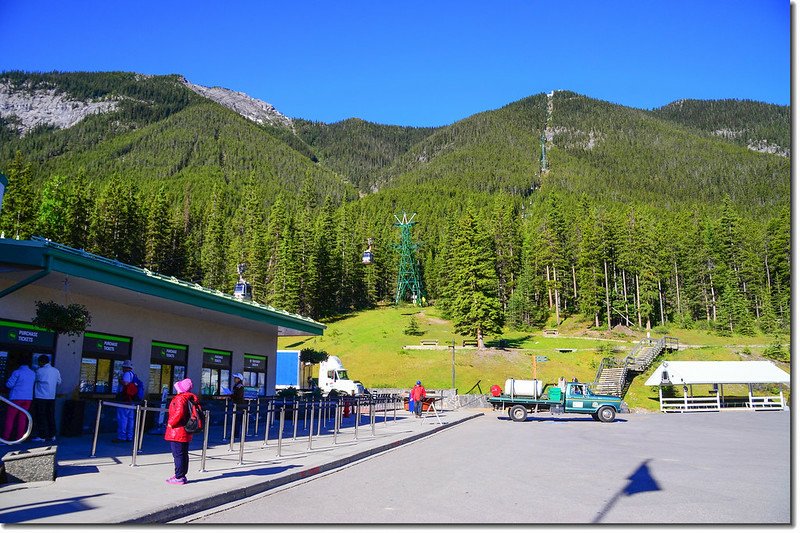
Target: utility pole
453, 364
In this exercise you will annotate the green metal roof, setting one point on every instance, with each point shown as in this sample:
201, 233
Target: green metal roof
54, 257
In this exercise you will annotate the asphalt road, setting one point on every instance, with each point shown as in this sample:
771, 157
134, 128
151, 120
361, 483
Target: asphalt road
708, 468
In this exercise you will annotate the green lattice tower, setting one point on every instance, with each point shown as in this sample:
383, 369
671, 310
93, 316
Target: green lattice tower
407, 275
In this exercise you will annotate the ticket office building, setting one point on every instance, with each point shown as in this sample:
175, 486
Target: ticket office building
169, 329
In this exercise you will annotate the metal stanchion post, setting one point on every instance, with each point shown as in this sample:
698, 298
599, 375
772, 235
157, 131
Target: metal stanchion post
266, 426
385, 410
258, 411
311, 428
280, 429
394, 406
233, 427
357, 417
135, 432
305, 415
372, 417
319, 419
249, 410
140, 435
335, 422
205, 440
225, 422
295, 407
242, 435
96, 427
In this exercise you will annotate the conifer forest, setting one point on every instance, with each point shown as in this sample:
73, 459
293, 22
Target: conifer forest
553, 206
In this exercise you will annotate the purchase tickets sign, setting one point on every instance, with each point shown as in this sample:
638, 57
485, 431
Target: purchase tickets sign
21, 334
163, 352
216, 359
110, 346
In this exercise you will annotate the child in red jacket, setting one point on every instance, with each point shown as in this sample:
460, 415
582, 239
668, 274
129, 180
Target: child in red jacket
178, 438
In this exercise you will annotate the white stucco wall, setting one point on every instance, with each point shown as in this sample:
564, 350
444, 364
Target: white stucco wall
143, 326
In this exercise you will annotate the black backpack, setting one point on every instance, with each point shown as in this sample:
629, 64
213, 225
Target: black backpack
195, 422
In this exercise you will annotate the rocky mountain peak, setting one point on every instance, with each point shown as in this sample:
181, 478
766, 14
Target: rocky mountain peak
250, 108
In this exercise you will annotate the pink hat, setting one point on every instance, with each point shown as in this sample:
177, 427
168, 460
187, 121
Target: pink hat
184, 385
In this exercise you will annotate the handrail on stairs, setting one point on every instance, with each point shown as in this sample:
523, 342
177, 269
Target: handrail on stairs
30, 422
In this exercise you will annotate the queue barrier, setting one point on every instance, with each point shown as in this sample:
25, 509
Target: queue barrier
323, 409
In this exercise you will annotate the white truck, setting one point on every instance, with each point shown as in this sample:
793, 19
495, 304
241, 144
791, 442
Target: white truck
333, 377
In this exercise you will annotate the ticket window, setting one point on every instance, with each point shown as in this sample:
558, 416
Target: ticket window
22, 342
215, 378
255, 375
167, 366
101, 362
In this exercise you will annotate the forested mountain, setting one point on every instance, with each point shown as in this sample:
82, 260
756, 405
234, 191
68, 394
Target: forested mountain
638, 217
359, 150
760, 126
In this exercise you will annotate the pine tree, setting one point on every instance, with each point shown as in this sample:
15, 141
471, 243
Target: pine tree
159, 236
475, 307
51, 219
18, 216
212, 255
80, 205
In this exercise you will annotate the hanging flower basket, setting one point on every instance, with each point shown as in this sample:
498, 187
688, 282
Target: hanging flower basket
69, 319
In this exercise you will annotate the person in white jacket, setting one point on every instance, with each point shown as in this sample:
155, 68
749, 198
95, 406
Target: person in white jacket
48, 378
20, 386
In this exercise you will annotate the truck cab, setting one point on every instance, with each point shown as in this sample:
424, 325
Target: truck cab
333, 377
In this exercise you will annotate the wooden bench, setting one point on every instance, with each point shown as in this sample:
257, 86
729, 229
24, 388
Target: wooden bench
469, 343
429, 342
550, 332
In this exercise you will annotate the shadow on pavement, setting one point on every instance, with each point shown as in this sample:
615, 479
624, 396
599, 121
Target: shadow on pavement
34, 511
267, 471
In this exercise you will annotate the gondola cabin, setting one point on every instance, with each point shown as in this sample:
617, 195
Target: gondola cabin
366, 257
243, 291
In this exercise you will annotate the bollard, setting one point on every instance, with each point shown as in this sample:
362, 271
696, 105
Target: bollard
311, 428
96, 427
295, 407
280, 429
242, 433
207, 415
135, 432
225, 422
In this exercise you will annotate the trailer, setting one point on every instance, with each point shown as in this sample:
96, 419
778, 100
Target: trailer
521, 397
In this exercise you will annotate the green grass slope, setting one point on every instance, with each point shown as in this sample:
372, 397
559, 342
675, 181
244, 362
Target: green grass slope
375, 350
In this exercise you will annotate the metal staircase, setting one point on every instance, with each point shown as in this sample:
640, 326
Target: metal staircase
612, 375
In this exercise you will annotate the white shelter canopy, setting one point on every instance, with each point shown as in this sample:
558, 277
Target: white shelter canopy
696, 372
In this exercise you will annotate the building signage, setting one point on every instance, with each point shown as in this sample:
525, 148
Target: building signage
216, 358
255, 363
163, 352
109, 346
21, 334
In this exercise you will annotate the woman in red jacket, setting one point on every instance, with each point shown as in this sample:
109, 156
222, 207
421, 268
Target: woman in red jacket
178, 438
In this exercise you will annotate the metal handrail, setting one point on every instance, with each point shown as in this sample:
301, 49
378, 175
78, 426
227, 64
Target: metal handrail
27, 415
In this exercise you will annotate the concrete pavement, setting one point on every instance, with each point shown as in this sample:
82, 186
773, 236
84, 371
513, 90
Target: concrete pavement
106, 489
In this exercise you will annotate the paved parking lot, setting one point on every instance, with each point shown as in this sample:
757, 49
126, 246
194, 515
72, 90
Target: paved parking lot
698, 468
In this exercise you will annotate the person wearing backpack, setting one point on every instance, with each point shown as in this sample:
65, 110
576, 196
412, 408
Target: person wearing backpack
128, 394
180, 412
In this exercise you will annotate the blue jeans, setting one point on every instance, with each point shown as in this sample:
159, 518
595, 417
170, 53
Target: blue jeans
180, 454
124, 423
418, 407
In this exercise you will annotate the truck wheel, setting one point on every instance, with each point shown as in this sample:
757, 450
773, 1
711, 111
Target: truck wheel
606, 414
594, 415
518, 413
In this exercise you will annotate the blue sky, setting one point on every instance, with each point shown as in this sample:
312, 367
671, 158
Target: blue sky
418, 63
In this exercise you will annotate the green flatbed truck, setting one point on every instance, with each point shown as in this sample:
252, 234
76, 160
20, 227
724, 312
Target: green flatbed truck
577, 398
